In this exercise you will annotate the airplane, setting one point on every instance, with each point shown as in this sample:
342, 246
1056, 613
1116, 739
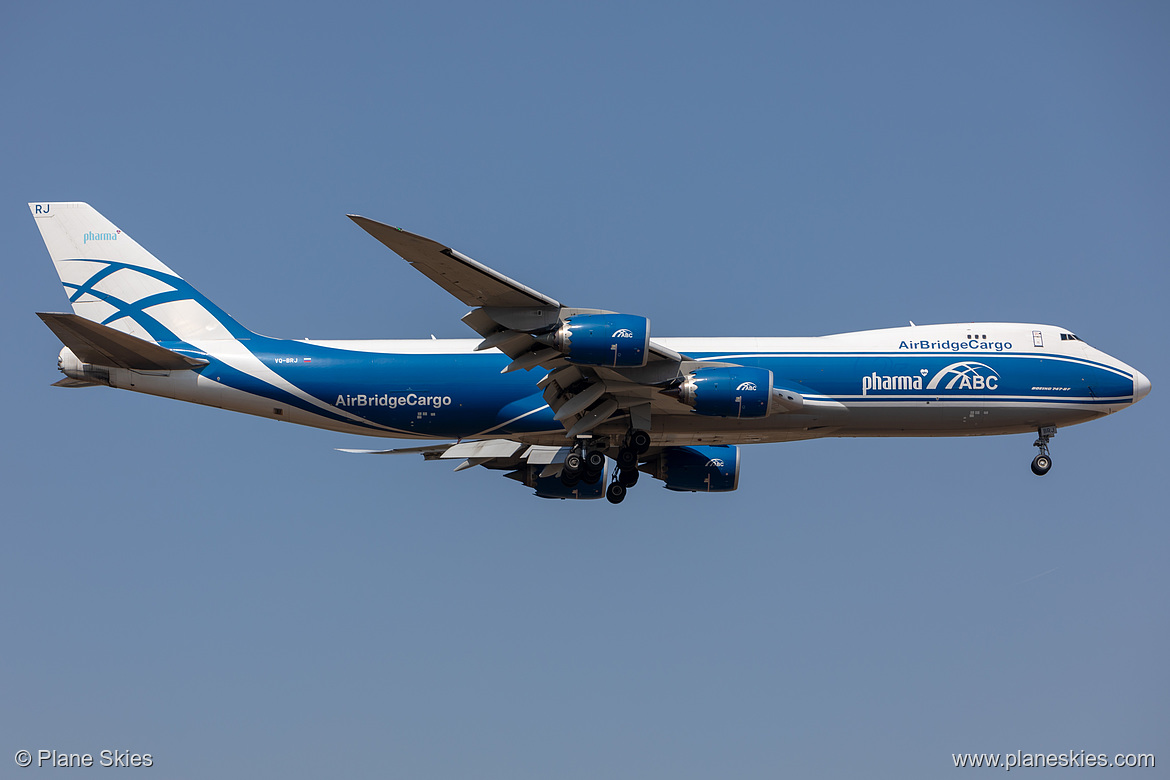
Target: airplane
550, 394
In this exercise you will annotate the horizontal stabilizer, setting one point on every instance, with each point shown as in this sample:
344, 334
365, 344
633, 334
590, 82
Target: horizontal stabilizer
71, 382
101, 345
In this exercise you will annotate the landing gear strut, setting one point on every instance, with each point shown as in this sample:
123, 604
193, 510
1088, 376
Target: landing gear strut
1043, 462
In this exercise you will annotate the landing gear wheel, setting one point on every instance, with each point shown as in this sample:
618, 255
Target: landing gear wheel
615, 493
573, 469
1041, 464
639, 441
594, 460
627, 458
590, 477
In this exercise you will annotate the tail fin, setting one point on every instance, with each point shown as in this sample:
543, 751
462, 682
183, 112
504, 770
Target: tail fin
113, 281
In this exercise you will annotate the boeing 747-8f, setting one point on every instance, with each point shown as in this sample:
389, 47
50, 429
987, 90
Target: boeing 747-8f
549, 393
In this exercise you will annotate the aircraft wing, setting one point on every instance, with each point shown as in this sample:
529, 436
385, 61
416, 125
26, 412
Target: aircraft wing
536, 466
520, 322
472, 283
492, 453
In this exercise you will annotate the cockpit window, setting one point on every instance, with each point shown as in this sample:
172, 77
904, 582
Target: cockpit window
1068, 337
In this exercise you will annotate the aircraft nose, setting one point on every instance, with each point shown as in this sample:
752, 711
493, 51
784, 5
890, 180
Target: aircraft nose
1141, 386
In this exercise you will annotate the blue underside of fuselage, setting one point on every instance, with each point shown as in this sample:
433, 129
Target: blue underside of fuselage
465, 394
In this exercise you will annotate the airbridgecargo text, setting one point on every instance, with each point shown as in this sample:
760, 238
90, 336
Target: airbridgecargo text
394, 401
955, 346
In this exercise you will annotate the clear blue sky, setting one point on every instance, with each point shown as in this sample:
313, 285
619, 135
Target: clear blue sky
236, 598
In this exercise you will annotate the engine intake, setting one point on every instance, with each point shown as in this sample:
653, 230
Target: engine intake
613, 340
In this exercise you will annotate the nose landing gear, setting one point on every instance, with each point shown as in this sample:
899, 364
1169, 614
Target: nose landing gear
1043, 462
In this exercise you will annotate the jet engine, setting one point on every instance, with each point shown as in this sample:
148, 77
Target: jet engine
612, 340
553, 487
732, 391
710, 469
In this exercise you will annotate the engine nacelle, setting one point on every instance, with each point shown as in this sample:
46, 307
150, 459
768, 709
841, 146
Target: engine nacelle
711, 469
552, 487
613, 340
733, 391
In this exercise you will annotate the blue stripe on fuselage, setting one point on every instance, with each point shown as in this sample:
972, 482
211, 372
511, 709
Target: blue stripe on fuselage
464, 394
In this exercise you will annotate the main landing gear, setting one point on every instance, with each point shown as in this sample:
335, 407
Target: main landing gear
1043, 462
582, 464
626, 474
586, 464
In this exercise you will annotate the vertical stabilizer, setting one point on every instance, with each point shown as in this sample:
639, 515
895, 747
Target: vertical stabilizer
113, 281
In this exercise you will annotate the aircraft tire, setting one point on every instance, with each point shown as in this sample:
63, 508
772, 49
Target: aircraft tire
573, 461
615, 493
1041, 464
639, 441
594, 460
627, 458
